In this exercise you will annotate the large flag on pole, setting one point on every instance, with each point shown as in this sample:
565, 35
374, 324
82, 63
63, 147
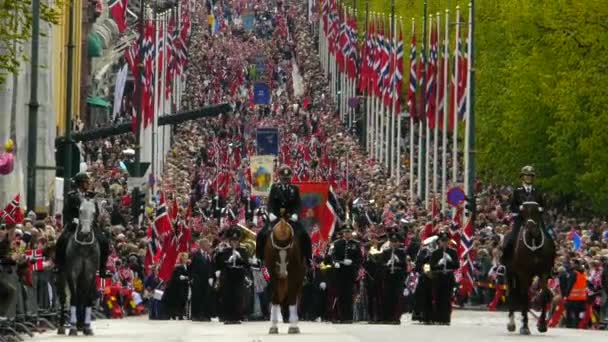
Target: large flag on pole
317, 214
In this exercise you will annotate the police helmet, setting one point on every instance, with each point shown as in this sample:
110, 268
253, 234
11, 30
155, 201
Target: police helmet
443, 236
527, 171
80, 178
285, 171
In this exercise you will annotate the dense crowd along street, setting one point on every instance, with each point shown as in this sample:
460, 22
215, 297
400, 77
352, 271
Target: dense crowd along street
256, 171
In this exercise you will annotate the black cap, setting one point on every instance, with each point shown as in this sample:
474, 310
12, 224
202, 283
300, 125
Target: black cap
395, 237
285, 171
346, 228
443, 236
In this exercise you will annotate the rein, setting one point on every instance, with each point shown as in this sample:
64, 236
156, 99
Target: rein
82, 242
529, 246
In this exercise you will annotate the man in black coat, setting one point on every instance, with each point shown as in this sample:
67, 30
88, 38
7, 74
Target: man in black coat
284, 202
444, 261
201, 273
395, 268
525, 193
231, 262
346, 257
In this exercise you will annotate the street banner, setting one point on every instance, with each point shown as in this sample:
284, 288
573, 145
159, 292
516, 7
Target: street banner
316, 215
262, 172
267, 140
261, 93
248, 21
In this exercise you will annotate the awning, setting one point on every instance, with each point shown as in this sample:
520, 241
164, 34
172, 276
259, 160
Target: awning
94, 44
98, 102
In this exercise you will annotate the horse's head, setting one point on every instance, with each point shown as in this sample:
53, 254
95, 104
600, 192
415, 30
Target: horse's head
282, 233
87, 214
531, 218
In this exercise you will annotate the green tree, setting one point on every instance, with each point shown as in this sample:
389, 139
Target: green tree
541, 97
16, 30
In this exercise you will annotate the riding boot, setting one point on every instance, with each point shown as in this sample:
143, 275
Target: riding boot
104, 251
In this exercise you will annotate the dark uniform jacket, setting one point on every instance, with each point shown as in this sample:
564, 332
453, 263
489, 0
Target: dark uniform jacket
520, 195
451, 264
286, 196
240, 261
343, 250
394, 260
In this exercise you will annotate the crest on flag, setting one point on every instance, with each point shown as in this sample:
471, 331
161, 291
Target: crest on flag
262, 171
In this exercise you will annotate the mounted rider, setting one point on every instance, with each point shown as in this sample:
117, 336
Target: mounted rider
527, 192
71, 214
284, 202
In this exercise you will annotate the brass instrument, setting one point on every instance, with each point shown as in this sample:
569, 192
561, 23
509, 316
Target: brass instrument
248, 238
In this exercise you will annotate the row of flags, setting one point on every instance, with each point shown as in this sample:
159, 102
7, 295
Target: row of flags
379, 63
165, 41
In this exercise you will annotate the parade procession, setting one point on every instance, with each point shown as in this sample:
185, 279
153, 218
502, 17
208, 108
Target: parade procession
338, 170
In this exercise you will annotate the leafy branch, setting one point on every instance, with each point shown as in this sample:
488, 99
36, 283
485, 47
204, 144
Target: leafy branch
16, 31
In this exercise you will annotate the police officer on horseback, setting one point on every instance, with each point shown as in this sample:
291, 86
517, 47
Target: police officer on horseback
284, 202
70, 222
527, 192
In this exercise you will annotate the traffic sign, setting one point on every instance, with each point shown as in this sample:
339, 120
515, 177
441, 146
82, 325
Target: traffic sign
456, 196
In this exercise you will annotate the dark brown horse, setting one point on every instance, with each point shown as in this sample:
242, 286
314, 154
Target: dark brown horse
286, 268
533, 256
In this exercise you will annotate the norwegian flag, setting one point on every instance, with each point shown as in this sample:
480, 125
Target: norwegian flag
379, 61
351, 62
458, 86
366, 57
147, 77
36, 259
384, 81
398, 73
325, 15
411, 91
466, 267
154, 250
431, 85
162, 223
118, 10
184, 237
12, 214
171, 55
342, 43
168, 258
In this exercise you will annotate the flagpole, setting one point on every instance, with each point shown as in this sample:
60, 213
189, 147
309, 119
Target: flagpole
163, 99
393, 90
444, 140
470, 120
398, 147
437, 109
387, 132
139, 97
412, 123
153, 162
427, 160
423, 145
455, 102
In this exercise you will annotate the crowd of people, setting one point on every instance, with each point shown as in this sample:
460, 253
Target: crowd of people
374, 264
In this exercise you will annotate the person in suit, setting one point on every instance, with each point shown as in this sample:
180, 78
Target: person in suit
527, 192
394, 261
346, 258
176, 295
231, 262
201, 273
444, 261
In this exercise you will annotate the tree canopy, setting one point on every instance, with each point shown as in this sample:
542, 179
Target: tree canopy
541, 90
16, 30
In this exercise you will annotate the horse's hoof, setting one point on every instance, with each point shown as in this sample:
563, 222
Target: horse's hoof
524, 331
511, 327
542, 327
88, 332
73, 332
293, 330
273, 331
61, 331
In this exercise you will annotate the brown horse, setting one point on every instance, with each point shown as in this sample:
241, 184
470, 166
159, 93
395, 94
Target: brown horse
533, 256
286, 268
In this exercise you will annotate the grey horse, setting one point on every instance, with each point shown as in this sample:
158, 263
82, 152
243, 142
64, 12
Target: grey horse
81, 266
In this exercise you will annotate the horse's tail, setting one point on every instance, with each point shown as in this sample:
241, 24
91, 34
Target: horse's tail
282, 287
